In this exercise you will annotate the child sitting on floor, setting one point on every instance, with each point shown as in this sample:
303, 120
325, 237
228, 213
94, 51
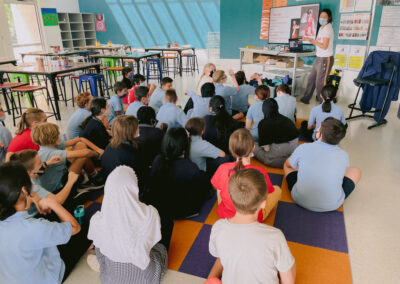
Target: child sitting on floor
241, 146
169, 113
201, 104
318, 174
141, 95
23, 139
28, 246
92, 128
240, 102
83, 101
327, 109
260, 251
35, 168
116, 104
157, 98
286, 103
138, 251
200, 149
47, 135
255, 114
139, 80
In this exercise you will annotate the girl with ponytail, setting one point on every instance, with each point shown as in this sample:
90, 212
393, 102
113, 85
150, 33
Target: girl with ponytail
241, 145
219, 125
328, 108
23, 139
92, 127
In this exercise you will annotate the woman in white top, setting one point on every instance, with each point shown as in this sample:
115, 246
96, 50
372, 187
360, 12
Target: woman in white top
324, 61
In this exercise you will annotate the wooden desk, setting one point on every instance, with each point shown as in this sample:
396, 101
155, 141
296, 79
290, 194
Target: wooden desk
51, 72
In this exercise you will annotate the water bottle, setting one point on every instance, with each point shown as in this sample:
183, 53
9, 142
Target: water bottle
79, 213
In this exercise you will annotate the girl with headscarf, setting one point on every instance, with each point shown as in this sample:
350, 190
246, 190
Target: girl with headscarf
278, 136
126, 234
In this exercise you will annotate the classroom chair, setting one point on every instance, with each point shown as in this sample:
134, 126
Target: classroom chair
7, 93
170, 62
192, 64
153, 69
93, 79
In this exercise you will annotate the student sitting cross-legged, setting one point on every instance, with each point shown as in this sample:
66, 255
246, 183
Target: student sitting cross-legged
318, 174
47, 135
141, 95
200, 149
127, 235
286, 103
83, 102
241, 145
278, 136
255, 114
169, 113
92, 128
28, 246
157, 98
246, 250
116, 104
201, 104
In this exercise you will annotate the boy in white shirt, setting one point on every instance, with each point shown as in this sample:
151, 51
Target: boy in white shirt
248, 251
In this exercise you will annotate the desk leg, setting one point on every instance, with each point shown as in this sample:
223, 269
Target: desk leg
180, 63
294, 75
137, 66
4, 91
52, 79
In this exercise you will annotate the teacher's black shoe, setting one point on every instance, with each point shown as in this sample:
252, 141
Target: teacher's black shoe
304, 102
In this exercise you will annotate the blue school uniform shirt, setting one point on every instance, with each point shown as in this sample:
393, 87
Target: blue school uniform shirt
40, 191
157, 99
287, 106
134, 107
240, 102
28, 249
51, 179
200, 150
5, 138
172, 115
116, 104
227, 93
75, 121
256, 114
201, 106
317, 116
320, 177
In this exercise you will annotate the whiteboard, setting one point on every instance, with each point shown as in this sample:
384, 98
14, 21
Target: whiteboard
293, 21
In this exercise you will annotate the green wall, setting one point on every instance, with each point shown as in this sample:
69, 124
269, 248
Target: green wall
241, 22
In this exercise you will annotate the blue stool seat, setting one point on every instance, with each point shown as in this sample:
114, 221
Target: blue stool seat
153, 61
92, 78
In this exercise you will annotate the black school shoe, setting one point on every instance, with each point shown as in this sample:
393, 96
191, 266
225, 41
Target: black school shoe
96, 182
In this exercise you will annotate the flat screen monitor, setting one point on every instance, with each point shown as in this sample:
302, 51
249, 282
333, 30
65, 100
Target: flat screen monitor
293, 22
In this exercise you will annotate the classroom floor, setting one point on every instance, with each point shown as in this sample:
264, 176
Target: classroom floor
371, 213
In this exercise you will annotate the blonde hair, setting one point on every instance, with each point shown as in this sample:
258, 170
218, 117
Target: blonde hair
124, 128
247, 189
28, 117
83, 98
241, 144
45, 134
218, 76
207, 66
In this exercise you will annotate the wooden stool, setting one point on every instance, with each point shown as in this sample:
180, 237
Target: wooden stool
5, 88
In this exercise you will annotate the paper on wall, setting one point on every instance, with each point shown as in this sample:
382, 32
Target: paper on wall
347, 6
376, 48
363, 5
354, 26
267, 4
389, 36
341, 56
390, 16
356, 58
395, 48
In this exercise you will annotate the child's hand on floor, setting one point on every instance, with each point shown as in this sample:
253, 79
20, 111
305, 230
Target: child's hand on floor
54, 160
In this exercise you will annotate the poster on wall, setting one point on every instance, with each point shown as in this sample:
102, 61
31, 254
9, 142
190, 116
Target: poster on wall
267, 5
287, 21
347, 6
354, 26
280, 3
390, 16
100, 24
50, 17
356, 57
341, 56
363, 5
389, 36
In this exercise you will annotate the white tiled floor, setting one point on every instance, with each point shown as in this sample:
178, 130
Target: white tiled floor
371, 212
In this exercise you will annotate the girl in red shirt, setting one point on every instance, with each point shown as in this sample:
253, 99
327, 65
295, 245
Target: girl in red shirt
241, 145
23, 139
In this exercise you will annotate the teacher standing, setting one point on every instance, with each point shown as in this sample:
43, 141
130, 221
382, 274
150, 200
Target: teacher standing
324, 61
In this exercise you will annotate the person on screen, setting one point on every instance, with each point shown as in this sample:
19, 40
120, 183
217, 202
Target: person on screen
295, 28
310, 23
